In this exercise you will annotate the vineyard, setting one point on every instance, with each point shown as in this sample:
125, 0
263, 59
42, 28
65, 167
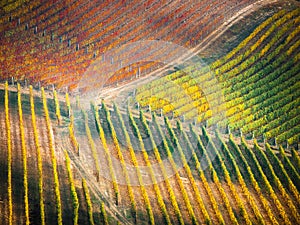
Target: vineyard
207, 134
63, 39
259, 80
66, 165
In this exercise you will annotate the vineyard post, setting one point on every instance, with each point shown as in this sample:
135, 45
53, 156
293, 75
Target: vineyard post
68, 104
57, 107
77, 102
228, 129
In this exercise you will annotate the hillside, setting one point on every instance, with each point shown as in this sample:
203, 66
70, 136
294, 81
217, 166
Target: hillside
258, 80
57, 41
137, 168
149, 112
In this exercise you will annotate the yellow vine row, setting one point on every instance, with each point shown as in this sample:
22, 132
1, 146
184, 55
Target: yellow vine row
107, 153
291, 185
53, 159
281, 188
148, 163
268, 186
215, 178
294, 173
177, 176
164, 173
9, 156
68, 104
72, 135
254, 182
39, 156
202, 177
229, 181
241, 181
57, 107
121, 158
103, 212
88, 202
72, 189
189, 172
135, 164
24, 156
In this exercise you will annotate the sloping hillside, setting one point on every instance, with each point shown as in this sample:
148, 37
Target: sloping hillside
208, 134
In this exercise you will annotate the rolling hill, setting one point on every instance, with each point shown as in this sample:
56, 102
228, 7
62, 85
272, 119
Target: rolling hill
94, 132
